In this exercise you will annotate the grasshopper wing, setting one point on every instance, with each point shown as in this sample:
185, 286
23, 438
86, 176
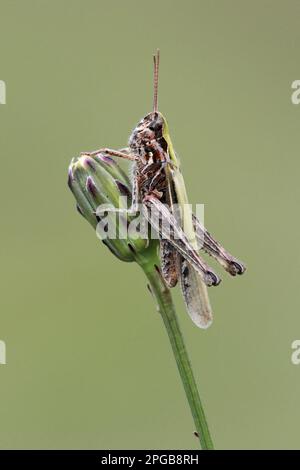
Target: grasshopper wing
169, 256
195, 295
193, 288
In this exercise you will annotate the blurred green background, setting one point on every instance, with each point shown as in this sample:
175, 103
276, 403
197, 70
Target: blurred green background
88, 361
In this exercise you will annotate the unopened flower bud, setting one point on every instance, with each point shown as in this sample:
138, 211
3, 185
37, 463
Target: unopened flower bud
98, 183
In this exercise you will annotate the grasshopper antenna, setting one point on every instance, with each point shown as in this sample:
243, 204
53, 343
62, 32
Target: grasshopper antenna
155, 81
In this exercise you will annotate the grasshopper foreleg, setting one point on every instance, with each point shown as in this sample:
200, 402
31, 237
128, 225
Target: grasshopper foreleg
112, 153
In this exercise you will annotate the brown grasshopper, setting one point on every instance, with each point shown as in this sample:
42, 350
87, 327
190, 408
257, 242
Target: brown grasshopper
159, 187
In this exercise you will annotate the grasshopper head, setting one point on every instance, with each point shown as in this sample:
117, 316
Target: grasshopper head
153, 127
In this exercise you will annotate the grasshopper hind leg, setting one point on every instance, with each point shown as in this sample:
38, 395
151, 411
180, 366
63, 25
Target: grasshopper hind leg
165, 224
231, 264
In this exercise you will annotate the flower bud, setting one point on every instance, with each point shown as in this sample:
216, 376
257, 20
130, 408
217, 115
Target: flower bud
97, 181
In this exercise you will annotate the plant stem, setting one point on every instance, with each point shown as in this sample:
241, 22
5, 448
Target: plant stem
167, 311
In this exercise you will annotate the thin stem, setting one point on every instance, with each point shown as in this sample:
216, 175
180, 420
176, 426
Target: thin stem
167, 311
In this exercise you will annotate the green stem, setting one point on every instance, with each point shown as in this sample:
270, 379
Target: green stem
167, 311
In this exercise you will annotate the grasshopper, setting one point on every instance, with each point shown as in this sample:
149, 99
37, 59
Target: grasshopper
158, 185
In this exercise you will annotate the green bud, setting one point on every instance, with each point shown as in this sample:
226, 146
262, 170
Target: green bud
97, 180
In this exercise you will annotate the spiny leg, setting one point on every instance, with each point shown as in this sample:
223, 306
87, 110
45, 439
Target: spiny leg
213, 248
112, 153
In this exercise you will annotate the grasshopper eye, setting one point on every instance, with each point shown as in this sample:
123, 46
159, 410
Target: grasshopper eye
148, 134
155, 126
